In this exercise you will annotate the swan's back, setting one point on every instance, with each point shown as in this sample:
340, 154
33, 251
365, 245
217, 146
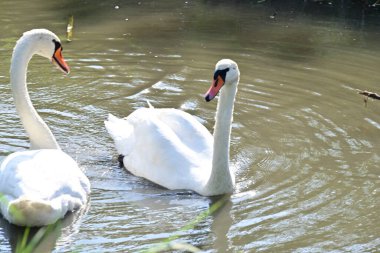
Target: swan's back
184, 126
167, 146
39, 187
148, 122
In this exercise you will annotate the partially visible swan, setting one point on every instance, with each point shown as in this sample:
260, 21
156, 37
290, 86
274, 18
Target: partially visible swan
171, 148
40, 185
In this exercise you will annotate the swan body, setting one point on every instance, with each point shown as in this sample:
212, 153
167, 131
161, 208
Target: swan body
40, 185
173, 149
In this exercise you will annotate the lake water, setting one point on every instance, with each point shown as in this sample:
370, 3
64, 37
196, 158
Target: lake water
304, 147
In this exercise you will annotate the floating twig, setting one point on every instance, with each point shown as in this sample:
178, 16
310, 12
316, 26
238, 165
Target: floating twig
368, 94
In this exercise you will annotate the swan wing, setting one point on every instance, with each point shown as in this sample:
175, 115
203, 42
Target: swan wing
38, 187
191, 132
170, 148
183, 125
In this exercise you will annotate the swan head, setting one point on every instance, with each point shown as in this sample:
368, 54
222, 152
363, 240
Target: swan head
226, 74
46, 44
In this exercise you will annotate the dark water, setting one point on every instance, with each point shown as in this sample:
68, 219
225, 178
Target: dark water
305, 148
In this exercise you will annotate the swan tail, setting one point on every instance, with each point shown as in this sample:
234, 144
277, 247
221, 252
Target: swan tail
30, 212
121, 131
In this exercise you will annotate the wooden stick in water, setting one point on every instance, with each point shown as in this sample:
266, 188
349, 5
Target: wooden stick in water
368, 94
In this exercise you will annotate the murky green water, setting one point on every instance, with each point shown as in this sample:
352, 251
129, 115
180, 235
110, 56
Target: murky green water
304, 147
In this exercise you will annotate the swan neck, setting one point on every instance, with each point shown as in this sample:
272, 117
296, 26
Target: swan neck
39, 133
222, 179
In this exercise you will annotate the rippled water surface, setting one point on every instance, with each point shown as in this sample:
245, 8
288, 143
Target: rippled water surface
304, 147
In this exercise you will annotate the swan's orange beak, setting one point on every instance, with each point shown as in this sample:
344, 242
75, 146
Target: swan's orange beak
61, 63
217, 84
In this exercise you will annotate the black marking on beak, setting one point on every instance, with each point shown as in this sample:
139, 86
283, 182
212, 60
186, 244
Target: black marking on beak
57, 45
222, 73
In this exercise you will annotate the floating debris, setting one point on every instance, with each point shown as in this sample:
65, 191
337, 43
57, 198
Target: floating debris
69, 30
368, 94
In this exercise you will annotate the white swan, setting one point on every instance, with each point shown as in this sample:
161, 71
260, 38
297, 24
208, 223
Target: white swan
171, 148
40, 185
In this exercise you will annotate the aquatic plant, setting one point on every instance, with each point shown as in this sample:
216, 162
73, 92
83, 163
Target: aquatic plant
28, 245
170, 244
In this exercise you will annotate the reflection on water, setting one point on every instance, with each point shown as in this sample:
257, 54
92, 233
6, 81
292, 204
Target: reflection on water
304, 147
44, 239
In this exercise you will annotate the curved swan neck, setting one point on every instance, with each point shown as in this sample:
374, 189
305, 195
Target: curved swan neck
39, 133
222, 180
